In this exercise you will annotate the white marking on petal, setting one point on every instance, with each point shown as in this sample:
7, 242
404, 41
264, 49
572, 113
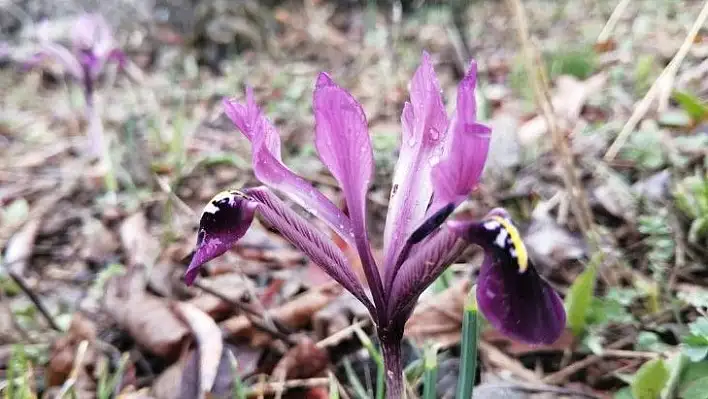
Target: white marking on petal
512, 252
501, 238
492, 225
210, 208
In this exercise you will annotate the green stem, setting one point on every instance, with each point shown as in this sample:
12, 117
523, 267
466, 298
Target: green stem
470, 337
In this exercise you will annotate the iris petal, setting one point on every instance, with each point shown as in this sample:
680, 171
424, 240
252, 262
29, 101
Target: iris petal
225, 219
343, 143
270, 170
511, 294
228, 216
459, 172
424, 123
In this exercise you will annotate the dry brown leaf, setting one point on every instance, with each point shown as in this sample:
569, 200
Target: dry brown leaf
61, 360
148, 319
439, 319
19, 247
295, 314
208, 337
141, 247
516, 348
304, 360
232, 286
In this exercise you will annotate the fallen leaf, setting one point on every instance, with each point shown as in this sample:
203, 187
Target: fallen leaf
63, 352
208, 337
295, 314
19, 248
147, 319
233, 286
141, 247
304, 360
549, 243
99, 243
439, 318
516, 348
338, 315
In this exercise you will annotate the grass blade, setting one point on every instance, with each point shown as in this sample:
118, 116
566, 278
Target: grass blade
470, 336
430, 376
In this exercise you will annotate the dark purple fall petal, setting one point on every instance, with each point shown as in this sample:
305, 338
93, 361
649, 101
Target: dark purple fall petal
228, 216
510, 293
424, 122
225, 219
270, 170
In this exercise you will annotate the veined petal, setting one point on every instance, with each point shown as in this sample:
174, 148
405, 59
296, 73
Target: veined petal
270, 170
343, 143
228, 216
426, 264
424, 123
459, 172
510, 293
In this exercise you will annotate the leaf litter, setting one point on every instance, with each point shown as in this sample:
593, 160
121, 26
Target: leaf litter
107, 271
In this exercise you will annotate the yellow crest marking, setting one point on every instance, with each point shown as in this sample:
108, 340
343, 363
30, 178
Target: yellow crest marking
521, 255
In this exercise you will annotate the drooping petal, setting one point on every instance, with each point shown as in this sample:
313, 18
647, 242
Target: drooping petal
228, 216
510, 293
424, 124
270, 170
60, 54
225, 219
343, 143
458, 173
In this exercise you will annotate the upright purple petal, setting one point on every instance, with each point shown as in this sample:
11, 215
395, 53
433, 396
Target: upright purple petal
343, 143
228, 216
510, 293
458, 173
92, 33
424, 123
270, 170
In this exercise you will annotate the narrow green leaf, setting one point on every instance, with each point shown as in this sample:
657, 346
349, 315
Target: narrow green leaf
354, 381
650, 380
579, 299
470, 337
333, 388
430, 376
696, 108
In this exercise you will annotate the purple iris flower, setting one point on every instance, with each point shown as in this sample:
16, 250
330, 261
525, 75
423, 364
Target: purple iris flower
92, 48
440, 163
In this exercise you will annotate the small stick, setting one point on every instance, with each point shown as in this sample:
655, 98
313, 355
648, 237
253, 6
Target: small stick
269, 388
561, 375
256, 316
35, 300
612, 21
666, 75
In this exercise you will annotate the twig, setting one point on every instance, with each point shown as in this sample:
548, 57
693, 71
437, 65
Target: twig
35, 300
563, 374
612, 21
666, 75
500, 359
74, 375
578, 202
341, 334
270, 388
257, 318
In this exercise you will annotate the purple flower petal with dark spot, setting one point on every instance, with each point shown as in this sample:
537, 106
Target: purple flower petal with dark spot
510, 293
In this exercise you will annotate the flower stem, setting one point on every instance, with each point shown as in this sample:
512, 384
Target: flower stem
393, 364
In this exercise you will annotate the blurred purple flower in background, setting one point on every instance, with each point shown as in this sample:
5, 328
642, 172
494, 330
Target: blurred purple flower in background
440, 163
92, 48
